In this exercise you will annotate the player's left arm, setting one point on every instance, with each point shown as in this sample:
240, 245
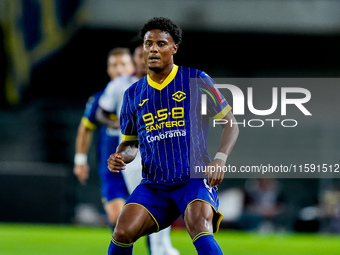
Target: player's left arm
228, 140
108, 102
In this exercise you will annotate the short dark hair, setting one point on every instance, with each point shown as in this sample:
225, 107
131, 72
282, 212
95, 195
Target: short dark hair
163, 24
135, 42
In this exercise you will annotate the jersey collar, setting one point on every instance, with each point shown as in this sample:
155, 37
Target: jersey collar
168, 79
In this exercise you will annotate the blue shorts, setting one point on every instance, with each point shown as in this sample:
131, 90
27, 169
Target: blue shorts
113, 186
166, 203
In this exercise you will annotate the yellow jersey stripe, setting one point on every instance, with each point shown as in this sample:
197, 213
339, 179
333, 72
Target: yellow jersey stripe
113, 116
223, 113
128, 138
85, 121
168, 79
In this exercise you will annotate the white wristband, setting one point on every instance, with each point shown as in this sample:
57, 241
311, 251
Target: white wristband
80, 159
220, 155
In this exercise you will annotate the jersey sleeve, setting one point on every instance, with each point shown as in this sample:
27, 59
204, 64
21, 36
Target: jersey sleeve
89, 116
217, 106
128, 120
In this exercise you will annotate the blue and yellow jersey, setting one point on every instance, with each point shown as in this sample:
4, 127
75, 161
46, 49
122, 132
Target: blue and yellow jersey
167, 120
89, 116
108, 139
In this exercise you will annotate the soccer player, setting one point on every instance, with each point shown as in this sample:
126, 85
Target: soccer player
113, 189
161, 115
110, 102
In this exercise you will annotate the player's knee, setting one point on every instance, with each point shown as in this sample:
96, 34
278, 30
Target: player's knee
123, 234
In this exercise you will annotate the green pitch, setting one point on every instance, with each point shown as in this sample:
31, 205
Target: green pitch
25, 239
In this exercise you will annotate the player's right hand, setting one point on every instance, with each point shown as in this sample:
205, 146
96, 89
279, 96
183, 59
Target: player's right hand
115, 163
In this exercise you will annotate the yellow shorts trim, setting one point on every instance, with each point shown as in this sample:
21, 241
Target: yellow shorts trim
216, 222
154, 219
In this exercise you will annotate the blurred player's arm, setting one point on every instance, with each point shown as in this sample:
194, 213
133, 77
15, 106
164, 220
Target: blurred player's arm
228, 140
106, 118
109, 103
126, 152
83, 142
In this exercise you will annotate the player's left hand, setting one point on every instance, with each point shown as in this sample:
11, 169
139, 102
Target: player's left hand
215, 173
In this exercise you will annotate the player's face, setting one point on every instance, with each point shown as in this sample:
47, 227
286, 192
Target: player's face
138, 58
119, 65
159, 48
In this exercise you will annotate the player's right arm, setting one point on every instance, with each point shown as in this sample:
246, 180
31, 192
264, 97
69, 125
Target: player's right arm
126, 152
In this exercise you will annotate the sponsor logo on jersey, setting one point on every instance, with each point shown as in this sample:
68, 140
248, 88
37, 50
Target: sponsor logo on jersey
167, 134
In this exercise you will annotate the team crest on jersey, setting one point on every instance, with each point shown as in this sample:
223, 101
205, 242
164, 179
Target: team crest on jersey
179, 96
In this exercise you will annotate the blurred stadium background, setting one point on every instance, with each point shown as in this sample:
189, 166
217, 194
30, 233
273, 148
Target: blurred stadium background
53, 56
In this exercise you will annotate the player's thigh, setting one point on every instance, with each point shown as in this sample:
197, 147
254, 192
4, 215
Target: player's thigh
157, 202
133, 222
198, 203
199, 218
